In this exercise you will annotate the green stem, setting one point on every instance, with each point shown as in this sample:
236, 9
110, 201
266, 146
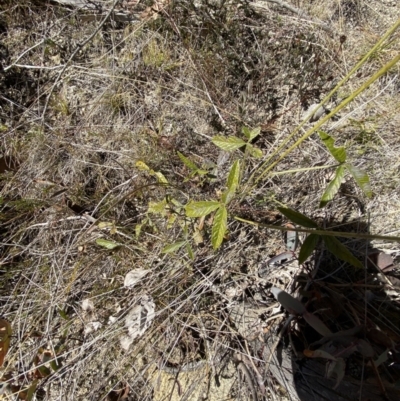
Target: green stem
321, 232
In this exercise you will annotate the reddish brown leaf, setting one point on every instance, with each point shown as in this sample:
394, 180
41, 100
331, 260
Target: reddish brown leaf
5, 335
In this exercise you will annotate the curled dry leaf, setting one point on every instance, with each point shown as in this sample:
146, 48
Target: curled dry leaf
5, 334
134, 276
138, 320
87, 305
91, 327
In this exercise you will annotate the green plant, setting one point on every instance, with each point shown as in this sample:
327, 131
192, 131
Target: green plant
204, 208
231, 143
339, 154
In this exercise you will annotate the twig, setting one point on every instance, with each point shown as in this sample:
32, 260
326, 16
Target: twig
78, 48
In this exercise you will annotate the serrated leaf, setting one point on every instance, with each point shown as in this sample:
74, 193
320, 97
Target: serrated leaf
171, 248
219, 227
227, 196
292, 305
308, 247
298, 218
255, 152
254, 133
157, 207
251, 134
233, 177
188, 163
246, 131
361, 178
106, 243
229, 144
333, 187
338, 249
200, 209
338, 153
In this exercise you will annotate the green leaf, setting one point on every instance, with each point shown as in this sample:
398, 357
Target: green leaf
246, 131
31, 390
202, 208
308, 247
227, 196
190, 251
157, 207
171, 248
298, 218
361, 178
63, 314
160, 177
333, 187
229, 144
188, 163
233, 177
338, 249
106, 244
338, 153
55, 364
255, 152
251, 134
219, 227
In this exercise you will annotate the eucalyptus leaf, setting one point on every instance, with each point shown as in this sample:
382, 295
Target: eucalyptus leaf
255, 152
316, 323
298, 218
338, 153
361, 178
202, 208
229, 144
219, 227
292, 305
338, 249
308, 247
333, 187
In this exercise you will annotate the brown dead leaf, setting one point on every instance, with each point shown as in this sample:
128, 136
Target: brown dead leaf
5, 335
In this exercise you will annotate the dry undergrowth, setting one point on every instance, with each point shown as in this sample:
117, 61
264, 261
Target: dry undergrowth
141, 91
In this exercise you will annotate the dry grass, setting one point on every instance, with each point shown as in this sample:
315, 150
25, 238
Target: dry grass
140, 92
